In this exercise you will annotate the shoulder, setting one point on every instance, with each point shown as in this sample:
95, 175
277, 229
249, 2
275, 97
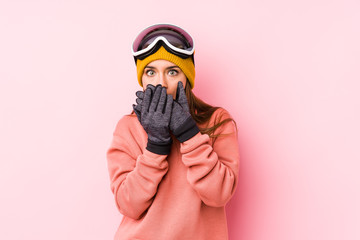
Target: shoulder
218, 116
126, 124
223, 122
221, 113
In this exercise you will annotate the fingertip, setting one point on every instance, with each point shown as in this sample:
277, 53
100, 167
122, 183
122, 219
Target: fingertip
163, 90
138, 93
148, 95
150, 87
148, 91
157, 87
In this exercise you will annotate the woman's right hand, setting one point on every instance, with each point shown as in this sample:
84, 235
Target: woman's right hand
154, 113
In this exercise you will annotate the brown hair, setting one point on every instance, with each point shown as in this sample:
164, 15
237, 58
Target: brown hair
202, 112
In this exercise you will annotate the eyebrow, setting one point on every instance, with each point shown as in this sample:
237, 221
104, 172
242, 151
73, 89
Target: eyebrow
174, 66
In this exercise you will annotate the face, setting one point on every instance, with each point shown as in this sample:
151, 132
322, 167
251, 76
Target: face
165, 73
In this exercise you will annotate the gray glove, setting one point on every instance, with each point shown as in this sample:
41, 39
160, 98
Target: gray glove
139, 99
137, 107
182, 125
154, 112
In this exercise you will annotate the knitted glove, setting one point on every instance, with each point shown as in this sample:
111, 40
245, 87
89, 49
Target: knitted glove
137, 107
155, 112
139, 99
182, 125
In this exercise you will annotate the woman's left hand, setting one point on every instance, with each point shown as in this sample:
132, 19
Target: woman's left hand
182, 124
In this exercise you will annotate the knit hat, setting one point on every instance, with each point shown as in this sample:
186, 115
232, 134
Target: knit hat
186, 65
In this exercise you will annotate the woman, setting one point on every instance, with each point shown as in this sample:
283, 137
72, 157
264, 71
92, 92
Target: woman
173, 162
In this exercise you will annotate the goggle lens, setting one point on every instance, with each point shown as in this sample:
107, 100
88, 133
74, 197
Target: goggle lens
174, 38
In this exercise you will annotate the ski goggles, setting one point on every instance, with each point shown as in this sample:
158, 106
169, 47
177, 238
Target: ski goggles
173, 38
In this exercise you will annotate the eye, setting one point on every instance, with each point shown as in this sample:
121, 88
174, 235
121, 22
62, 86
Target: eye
150, 73
173, 72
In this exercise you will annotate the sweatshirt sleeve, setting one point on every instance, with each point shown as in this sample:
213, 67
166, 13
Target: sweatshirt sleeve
135, 172
213, 170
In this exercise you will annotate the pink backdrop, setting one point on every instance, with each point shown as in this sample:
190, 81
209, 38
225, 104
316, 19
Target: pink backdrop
287, 71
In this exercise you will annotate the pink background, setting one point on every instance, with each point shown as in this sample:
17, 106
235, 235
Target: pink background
287, 71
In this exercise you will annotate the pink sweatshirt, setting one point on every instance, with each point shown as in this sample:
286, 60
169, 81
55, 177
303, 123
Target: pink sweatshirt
177, 196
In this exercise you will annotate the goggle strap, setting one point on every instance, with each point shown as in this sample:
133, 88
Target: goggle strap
192, 58
159, 39
156, 48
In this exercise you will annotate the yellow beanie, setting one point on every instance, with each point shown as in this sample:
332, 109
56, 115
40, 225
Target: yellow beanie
186, 65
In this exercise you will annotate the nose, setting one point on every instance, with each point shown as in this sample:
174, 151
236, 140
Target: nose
163, 80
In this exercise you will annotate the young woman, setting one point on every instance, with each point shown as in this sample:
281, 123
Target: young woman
173, 162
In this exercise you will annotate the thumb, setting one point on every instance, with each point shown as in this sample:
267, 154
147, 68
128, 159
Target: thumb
181, 97
180, 94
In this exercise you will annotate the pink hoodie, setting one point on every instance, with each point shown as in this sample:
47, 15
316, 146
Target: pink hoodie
177, 196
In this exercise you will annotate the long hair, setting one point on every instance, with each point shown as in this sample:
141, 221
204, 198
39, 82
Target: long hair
202, 112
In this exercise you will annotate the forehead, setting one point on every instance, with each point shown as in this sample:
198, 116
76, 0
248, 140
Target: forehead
161, 63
